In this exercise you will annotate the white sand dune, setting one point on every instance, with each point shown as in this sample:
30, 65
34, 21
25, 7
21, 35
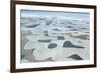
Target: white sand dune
70, 40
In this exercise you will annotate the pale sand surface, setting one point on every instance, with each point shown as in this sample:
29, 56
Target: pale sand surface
55, 38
